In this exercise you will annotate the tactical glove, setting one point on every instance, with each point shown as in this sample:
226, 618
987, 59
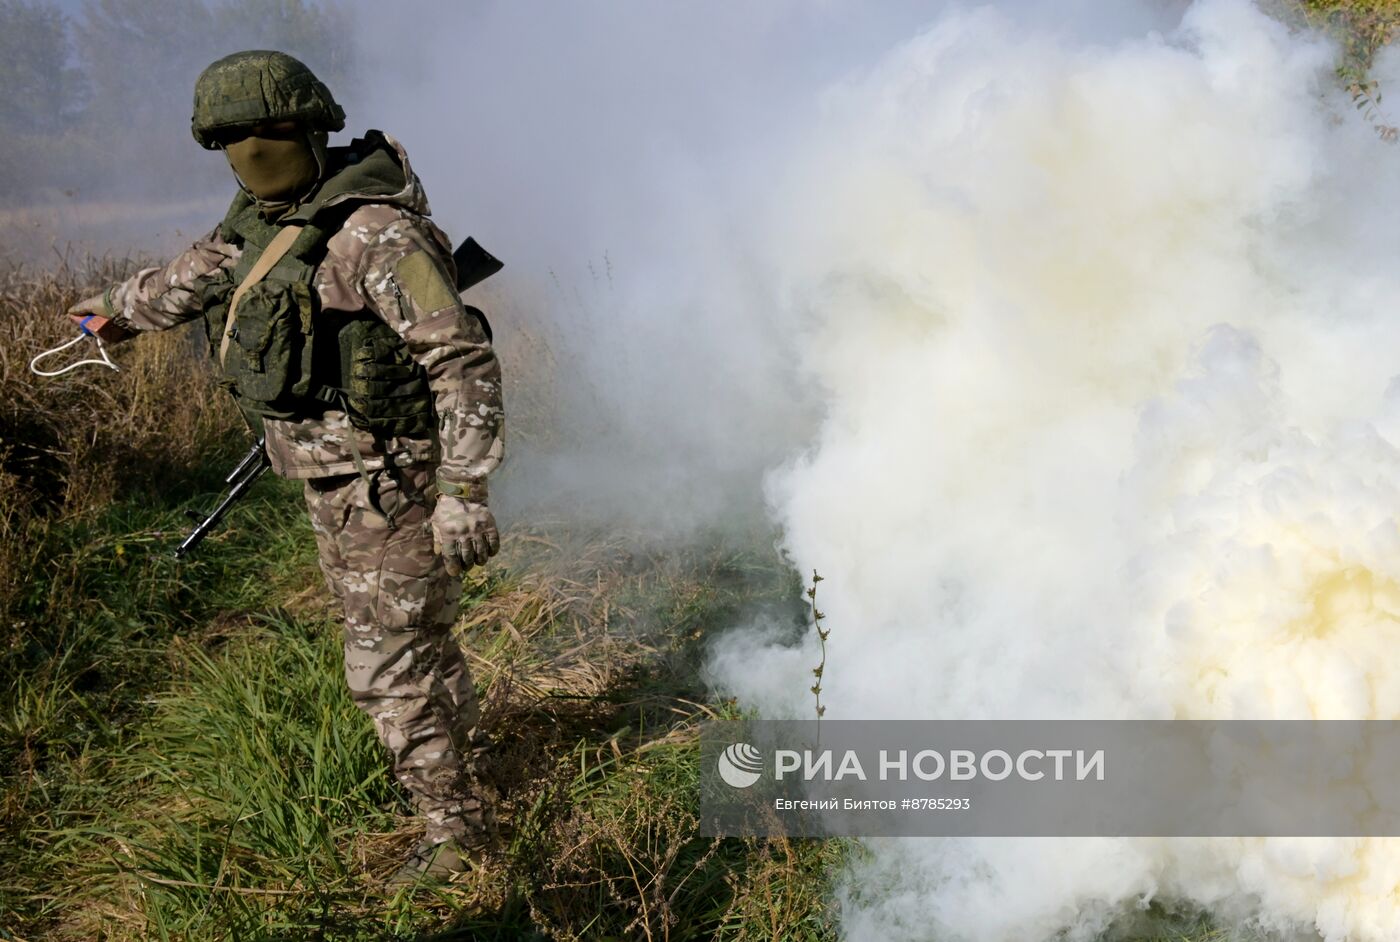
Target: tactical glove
464, 533
94, 316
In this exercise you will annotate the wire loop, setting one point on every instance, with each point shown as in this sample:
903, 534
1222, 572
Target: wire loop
101, 349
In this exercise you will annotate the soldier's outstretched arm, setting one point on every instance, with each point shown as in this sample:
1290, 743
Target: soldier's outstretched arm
407, 278
163, 296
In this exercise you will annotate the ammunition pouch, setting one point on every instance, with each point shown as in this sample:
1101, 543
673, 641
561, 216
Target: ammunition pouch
384, 390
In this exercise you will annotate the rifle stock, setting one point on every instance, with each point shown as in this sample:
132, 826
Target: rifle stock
474, 265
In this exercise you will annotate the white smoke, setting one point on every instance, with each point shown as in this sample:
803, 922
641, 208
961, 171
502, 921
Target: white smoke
627, 162
1096, 323
1104, 335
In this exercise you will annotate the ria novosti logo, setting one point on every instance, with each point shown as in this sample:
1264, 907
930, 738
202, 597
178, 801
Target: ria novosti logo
740, 765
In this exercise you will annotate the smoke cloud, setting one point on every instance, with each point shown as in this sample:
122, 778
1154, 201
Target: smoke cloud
1062, 342
650, 174
1109, 430
622, 159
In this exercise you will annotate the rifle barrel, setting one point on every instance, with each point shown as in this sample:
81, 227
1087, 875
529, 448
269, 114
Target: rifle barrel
243, 477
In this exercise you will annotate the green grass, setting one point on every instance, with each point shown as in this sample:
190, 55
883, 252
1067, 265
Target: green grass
103, 625
241, 795
189, 765
106, 599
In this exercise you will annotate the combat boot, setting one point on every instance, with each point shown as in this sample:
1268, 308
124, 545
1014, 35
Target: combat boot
437, 862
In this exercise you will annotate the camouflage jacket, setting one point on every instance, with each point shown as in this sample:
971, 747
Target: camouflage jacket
358, 274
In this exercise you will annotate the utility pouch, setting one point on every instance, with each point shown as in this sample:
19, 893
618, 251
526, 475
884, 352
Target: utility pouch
271, 341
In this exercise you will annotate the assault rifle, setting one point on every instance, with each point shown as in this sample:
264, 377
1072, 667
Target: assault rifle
474, 265
249, 470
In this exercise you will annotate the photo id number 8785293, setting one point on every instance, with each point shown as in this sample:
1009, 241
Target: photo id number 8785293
937, 804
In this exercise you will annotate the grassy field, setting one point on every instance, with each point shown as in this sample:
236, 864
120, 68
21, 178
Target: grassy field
179, 759
182, 760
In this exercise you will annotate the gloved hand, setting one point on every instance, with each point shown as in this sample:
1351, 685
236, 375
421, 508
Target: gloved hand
97, 304
94, 311
464, 533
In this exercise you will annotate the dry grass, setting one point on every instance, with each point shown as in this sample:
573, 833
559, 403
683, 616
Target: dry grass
1362, 26
71, 444
540, 377
73, 436
581, 646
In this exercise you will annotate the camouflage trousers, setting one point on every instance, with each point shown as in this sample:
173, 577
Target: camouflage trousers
404, 669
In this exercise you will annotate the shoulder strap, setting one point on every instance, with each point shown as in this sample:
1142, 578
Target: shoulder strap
266, 261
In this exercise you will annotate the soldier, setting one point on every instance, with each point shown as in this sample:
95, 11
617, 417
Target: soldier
328, 298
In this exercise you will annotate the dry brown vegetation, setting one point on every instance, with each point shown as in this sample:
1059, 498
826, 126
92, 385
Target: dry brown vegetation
1363, 26
70, 444
581, 650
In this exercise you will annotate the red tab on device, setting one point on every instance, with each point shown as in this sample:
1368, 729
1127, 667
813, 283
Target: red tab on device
95, 325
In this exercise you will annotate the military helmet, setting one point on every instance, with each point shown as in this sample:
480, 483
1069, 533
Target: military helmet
259, 86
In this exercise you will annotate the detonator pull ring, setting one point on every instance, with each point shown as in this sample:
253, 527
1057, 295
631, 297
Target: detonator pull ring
86, 333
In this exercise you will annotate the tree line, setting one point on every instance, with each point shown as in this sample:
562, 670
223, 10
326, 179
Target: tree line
97, 104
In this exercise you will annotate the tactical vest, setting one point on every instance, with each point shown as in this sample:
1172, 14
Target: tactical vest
291, 360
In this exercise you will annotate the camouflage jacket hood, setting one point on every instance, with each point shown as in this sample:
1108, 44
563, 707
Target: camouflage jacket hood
374, 168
